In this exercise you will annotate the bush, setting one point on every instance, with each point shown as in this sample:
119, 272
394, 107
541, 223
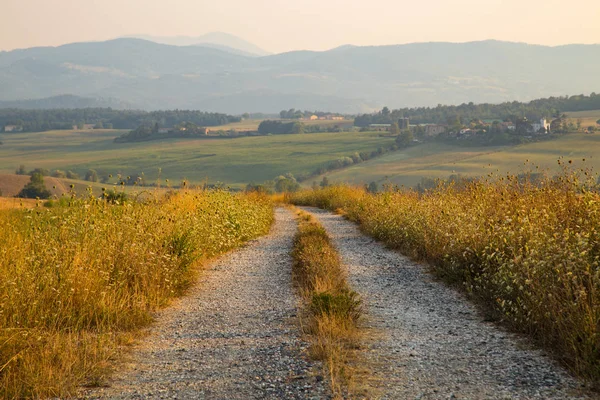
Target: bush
84, 275
72, 175
529, 249
35, 188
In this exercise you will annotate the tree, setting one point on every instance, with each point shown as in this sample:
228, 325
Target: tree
325, 182
394, 129
372, 188
404, 139
21, 170
35, 188
385, 112
286, 184
91, 175
598, 122
59, 174
72, 175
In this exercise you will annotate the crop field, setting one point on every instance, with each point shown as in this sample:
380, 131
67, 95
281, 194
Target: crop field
80, 280
438, 160
234, 162
588, 118
528, 253
252, 124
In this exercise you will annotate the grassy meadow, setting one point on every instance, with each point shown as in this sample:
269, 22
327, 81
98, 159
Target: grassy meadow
440, 160
79, 280
234, 162
529, 253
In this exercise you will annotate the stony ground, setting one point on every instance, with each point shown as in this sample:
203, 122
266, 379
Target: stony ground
235, 336
427, 341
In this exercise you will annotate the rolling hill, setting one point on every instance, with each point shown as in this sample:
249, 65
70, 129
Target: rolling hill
217, 40
347, 79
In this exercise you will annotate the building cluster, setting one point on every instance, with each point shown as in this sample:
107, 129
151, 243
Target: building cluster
523, 126
13, 128
327, 117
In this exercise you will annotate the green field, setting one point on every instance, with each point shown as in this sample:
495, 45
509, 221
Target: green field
437, 160
252, 124
232, 161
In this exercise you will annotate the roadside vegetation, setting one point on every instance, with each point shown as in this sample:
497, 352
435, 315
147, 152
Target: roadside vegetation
81, 278
527, 250
332, 309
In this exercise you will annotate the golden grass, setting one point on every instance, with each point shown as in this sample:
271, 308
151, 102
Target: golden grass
332, 309
7, 203
529, 252
80, 279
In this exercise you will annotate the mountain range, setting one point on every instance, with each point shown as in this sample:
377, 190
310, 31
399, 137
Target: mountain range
231, 78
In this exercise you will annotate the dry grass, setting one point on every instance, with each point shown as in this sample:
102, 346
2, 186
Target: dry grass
529, 252
80, 279
332, 309
7, 203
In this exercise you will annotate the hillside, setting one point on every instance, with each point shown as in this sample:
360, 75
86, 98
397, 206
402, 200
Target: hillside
216, 40
440, 160
347, 79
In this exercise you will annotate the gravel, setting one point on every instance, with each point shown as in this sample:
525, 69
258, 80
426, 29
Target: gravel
427, 341
234, 336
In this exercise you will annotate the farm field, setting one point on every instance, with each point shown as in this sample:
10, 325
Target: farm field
234, 162
588, 118
439, 160
252, 124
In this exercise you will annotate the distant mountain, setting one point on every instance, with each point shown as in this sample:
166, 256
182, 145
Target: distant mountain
346, 79
66, 101
217, 40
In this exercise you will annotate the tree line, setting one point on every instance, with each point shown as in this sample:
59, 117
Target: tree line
508, 111
44, 120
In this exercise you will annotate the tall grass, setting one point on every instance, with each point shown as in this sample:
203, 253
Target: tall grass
531, 253
332, 308
79, 280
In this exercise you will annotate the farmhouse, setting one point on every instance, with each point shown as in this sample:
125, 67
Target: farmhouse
434, 130
89, 126
164, 130
537, 127
313, 118
13, 128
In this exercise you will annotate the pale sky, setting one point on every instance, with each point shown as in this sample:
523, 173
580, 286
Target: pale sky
284, 25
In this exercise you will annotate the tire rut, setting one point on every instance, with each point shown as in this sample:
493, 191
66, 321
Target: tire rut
427, 341
234, 336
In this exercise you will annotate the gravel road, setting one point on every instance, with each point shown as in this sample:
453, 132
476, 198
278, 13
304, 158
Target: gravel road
234, 336
431, 343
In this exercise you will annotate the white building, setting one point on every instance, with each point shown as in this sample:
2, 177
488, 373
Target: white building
536, 127
13, 128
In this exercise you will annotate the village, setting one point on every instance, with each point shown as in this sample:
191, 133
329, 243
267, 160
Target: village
522, 126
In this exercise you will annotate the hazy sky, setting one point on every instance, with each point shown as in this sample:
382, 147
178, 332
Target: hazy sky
282, 25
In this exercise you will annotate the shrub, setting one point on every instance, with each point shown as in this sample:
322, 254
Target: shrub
527, 249
78, 279
35, 188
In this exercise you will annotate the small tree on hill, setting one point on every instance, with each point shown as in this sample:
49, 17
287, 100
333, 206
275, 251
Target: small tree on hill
373, 188
35, 188
404, 139
91, 176
325, 182
21, 170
